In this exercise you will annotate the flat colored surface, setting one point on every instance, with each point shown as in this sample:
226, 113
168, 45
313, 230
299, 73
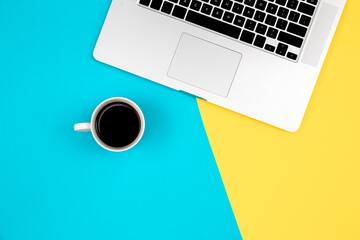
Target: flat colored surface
58, 184
303, 185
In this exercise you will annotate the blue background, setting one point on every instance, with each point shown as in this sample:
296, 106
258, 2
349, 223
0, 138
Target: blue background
59, 184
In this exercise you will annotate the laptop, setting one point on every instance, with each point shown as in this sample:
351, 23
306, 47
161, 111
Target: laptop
259, 58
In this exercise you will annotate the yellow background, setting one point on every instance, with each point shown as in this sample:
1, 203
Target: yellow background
303, 185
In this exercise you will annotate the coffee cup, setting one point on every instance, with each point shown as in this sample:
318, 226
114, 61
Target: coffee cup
117, 124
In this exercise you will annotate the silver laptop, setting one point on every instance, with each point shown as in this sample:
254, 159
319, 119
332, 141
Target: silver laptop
259, 58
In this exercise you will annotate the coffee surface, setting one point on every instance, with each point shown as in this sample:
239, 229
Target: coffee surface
117, 124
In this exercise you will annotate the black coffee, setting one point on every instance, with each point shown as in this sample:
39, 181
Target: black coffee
117, 124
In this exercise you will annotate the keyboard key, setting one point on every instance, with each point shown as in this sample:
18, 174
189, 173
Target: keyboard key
281, 24
259, 41
174, 1
184, 3
259, 16
271, 8
314, 2
269, 48
292, 4
292, 56
290, 39
281, 49
260, 4
239, 21
294, 16
237, 8
179, 12
217, 13
226, 4
206, 8
247, 37
272, 32
250, 24
167, 7
145, 2
283, 12
281, 2
306, 8
228, 17
195, 5
213, 24
305, 20
215, 2
261, 28
249, 2
297, 29
249, 12
270, 20
156, 4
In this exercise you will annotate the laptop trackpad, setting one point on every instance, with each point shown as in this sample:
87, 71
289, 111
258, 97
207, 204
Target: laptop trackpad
204, 65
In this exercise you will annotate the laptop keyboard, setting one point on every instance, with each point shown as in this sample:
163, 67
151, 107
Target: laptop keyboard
276, 26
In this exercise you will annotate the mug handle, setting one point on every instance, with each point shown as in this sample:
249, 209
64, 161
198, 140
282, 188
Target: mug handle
82, 127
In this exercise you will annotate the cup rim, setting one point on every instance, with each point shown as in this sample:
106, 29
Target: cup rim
103, 104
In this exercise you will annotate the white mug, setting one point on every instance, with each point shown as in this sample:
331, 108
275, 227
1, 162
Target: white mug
85, 127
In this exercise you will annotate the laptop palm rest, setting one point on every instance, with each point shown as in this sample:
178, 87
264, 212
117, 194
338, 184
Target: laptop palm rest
205, 65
